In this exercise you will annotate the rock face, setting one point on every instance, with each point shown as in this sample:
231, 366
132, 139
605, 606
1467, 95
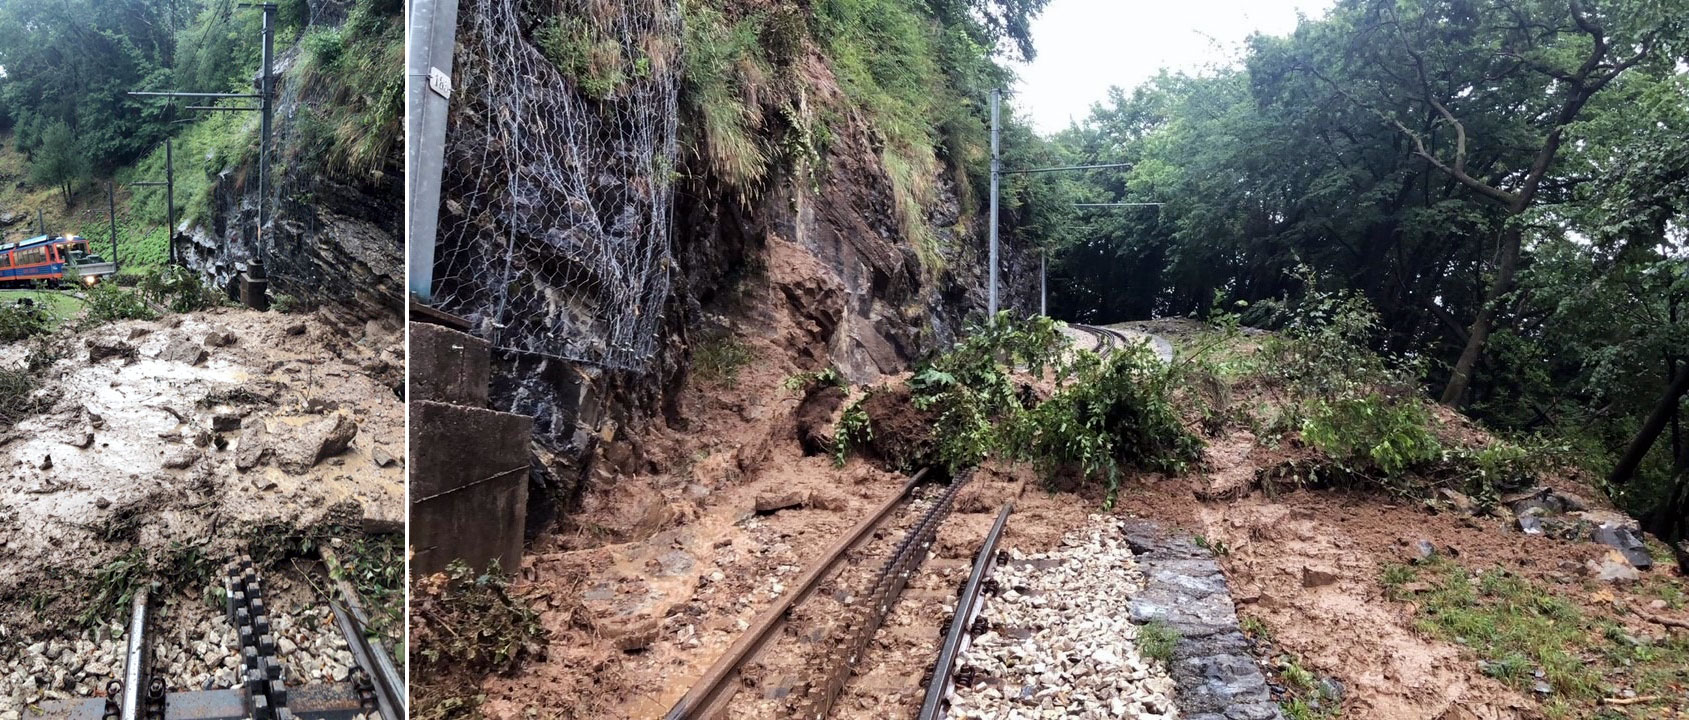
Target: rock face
821, 244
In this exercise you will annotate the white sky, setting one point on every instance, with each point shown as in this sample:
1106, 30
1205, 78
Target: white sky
1086, 46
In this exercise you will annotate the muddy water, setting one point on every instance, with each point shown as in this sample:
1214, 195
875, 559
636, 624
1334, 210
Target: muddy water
160, 469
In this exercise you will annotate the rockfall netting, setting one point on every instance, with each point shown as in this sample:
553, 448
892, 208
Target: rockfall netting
560, 151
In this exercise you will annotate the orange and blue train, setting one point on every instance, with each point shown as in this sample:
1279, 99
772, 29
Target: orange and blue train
49, 259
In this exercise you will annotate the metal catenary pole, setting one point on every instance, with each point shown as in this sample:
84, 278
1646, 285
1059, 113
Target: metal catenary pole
1044, 281
996, 169
111, 212
170, 199
428, 68
169, 184
266, 87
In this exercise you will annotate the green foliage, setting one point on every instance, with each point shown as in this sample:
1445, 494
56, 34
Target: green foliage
59, 162
375, 567
1306, 153
853, 429
177, 288
718, 360
108, 303
355, 127
1106, 414
802, 382
113, 585
465, 626
1117, 409
1157, 641
17, 395
18, 321
584, 54
724, 70
1372, 433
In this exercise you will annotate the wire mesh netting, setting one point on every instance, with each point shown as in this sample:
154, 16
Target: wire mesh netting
555, 199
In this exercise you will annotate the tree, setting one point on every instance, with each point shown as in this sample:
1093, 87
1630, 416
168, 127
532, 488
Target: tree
1457, 62
59, 161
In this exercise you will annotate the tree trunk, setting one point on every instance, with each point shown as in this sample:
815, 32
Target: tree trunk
1479, 333
1651, 427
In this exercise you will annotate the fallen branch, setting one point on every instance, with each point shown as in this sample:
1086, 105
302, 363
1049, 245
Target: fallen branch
1631, 701
1662, 620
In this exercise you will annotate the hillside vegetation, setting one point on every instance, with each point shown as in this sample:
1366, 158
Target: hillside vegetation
1506, 184
68, 127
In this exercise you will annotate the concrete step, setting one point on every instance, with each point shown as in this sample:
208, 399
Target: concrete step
468, 485
448, 366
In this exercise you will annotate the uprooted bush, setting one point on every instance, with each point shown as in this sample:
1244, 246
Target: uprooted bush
177, 288
109, 303
1361, 410
464, 627
1017, 390
19, 321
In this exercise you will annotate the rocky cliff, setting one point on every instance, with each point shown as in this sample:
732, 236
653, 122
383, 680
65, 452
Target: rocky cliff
819, 261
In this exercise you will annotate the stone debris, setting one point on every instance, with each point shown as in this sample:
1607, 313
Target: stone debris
1184, 588
1059, 644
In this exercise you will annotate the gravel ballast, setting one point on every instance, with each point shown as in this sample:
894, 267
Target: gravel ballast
1060, 642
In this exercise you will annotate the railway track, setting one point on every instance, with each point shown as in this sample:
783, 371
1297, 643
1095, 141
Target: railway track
963, 622
830, 614
1107, 339
374, 686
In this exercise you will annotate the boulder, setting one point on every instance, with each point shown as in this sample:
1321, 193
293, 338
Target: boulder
183, 350
1613, 567
301, 448
99, 350
253, 448
1626, 542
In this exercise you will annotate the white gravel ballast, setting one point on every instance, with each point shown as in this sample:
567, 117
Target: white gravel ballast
1060, 643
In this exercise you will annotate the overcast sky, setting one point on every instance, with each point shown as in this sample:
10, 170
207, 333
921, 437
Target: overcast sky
1085, 46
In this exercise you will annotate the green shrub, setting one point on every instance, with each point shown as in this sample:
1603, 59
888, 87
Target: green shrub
464, 627
178, 288
1370, 433
718, 360
583, 54
1157, 641
18, 322
108, 303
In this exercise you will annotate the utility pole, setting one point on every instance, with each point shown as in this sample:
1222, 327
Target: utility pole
1044, 282
169, 184
428, 91
266, 103
996, 169
170, 198
111, 212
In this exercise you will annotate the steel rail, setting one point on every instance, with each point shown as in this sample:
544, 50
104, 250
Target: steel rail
135, 660
707, 691
390, 684
862, 621
967, 607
